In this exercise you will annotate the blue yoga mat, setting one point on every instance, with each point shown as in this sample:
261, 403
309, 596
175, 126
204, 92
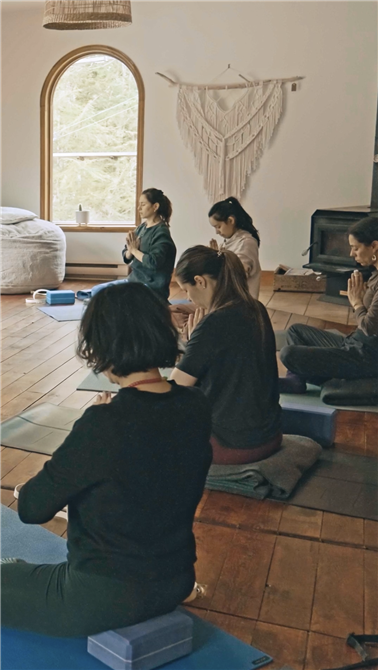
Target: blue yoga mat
64, 312
213, 649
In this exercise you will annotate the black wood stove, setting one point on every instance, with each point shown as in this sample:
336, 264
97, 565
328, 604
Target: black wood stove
329, 248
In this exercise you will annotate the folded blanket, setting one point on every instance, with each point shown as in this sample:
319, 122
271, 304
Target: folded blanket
276, 476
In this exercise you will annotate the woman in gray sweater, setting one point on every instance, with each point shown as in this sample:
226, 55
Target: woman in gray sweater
315, 355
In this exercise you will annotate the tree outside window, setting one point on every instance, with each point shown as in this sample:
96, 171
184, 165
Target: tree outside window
94, 151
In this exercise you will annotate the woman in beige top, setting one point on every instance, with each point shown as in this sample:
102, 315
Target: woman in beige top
239, 234
314, 355
234, 224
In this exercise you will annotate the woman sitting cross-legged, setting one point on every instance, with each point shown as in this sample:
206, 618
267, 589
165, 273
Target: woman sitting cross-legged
149, 252
132, 472
231, 356
314, 355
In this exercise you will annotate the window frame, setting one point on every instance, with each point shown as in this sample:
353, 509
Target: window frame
46, 122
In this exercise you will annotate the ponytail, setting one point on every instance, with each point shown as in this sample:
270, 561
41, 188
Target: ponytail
232, 207
155, 195
228, 272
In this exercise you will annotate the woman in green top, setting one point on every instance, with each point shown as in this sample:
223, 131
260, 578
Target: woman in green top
149, 251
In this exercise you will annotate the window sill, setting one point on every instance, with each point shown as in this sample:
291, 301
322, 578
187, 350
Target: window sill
96, 227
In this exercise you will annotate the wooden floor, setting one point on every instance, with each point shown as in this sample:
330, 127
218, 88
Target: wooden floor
291, 581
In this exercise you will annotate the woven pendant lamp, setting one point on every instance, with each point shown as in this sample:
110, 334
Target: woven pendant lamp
86, 14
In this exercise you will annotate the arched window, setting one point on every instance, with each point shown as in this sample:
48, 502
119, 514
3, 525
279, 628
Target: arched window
92, 110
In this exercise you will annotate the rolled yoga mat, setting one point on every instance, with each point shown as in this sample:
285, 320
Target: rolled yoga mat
213, 649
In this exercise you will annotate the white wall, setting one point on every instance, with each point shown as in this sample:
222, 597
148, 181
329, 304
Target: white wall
320, 155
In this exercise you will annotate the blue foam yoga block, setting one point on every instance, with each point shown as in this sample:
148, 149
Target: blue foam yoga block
145, 645
60, 297
318, 423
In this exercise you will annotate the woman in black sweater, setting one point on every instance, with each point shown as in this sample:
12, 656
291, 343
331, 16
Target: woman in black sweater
132, 472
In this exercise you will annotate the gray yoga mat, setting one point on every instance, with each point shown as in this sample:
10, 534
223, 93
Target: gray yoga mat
64, 312
311, 398
41, 429
76, 311
338, 482
98, 383
281, 341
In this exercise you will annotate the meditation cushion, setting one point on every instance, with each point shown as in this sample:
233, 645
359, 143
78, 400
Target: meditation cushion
33, 255
351, 392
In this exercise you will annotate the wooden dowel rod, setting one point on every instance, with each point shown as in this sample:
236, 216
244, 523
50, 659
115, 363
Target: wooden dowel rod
247, 84
171, 81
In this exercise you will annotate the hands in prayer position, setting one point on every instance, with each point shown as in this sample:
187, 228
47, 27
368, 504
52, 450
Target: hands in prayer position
356, 289
132, 242
213, 244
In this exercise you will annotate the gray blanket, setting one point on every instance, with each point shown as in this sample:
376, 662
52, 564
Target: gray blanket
275, 476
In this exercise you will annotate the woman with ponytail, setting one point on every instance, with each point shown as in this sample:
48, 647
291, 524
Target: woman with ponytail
234, 224
231, 356
149, 252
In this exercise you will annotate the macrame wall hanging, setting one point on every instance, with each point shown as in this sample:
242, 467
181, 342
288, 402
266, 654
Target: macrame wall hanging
228, 143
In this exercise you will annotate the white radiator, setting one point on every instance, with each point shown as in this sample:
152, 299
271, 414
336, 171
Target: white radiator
100, 271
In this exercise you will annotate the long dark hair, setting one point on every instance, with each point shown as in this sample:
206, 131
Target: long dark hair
127, 328
232, 207
155, 195
365, 230
226, 269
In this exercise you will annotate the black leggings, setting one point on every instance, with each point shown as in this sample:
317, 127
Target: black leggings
60, 601
319, 355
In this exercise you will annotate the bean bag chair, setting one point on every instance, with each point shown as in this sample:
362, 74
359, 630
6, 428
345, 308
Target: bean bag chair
33, 255
350, 392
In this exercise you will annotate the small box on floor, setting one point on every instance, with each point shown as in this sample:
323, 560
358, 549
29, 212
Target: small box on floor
298, 279
60, 297
146, 645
